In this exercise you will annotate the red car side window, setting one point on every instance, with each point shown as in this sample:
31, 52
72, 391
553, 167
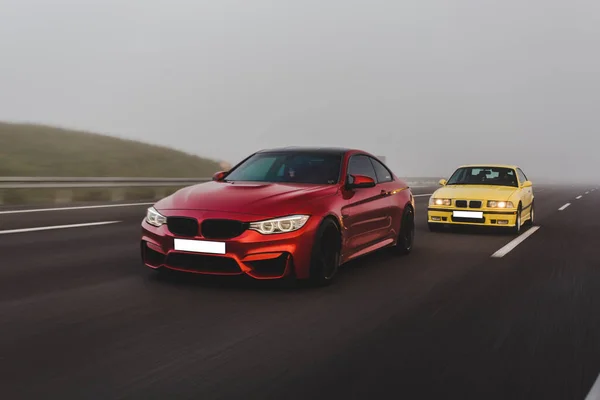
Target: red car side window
361, 165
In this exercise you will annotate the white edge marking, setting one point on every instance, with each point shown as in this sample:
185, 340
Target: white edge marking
578, 197
515, 242
594, 393
74, 208
565, 206
48, 228
422, 195
587, 192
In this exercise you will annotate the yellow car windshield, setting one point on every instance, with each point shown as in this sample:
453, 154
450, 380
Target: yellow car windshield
480, 175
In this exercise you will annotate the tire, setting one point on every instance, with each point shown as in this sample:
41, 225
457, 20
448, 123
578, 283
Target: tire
325, 255
531, 219
406, 236
517, 228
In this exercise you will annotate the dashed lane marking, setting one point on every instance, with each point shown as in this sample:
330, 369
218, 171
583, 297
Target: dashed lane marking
515, 242
594, 393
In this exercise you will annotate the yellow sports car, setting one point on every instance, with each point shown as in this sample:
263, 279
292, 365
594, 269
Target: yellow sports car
487, 195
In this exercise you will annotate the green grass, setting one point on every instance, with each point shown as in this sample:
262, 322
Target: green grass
37, 150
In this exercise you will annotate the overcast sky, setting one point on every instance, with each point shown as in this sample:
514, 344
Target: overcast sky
430, 84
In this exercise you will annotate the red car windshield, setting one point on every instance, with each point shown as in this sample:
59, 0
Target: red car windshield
289, 167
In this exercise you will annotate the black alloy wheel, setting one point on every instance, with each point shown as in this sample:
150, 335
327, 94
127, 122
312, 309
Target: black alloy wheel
325, 257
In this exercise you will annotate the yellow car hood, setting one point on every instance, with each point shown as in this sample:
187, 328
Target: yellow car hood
475, 192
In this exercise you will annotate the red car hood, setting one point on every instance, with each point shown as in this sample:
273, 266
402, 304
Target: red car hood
265, 199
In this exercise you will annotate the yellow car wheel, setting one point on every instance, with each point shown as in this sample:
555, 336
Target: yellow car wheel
531, 219
517, 228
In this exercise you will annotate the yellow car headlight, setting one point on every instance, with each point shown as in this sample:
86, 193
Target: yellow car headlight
439, 202
500, 204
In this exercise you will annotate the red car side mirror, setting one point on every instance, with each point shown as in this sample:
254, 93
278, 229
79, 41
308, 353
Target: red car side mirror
360, 181
219, 176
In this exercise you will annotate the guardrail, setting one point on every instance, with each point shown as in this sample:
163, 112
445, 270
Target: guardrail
93, 182
64, 186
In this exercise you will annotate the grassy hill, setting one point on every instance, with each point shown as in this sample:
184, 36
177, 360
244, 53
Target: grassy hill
36, 150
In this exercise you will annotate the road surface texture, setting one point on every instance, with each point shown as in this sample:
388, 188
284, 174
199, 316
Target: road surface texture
81, 318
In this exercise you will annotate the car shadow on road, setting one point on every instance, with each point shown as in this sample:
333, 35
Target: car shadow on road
245, 283
479, 230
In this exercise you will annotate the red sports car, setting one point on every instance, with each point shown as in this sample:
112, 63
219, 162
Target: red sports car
290, 212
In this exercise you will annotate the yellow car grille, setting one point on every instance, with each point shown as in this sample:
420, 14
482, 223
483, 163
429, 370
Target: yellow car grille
467, 203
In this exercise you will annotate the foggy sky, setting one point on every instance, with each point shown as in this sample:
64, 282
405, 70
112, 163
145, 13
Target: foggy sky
430, 84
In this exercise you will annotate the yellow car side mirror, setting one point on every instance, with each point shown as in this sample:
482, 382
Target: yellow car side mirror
527, 184
443, 182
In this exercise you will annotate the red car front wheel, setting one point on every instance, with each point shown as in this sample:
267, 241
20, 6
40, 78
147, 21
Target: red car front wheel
325, 258
406, 236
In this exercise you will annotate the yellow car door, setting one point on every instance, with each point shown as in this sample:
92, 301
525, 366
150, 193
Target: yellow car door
526, 189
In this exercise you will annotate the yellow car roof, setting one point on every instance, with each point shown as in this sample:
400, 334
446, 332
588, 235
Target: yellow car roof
489, 166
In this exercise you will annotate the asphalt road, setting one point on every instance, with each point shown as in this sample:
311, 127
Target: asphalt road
80, 317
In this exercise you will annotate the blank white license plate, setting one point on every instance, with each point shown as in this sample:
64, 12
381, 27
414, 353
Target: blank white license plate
199, 246
468, 214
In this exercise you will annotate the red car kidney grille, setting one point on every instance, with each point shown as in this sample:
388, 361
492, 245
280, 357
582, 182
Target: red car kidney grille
183, 226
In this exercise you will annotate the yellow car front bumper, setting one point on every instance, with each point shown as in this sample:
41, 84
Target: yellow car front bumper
483, 217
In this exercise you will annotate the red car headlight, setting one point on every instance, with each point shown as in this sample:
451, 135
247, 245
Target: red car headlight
279, 225
155, 218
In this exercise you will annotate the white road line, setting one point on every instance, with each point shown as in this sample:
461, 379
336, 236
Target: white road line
594, 393
565, 206
578, 197
587, 192
47, 228
74, 208
422, 195
515, 242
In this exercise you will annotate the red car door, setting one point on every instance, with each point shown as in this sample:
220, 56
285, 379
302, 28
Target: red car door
385, 179
366, 214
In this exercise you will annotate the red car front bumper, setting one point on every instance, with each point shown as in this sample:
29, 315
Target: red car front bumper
256, 255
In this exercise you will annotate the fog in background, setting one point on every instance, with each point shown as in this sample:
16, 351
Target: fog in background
430, 84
